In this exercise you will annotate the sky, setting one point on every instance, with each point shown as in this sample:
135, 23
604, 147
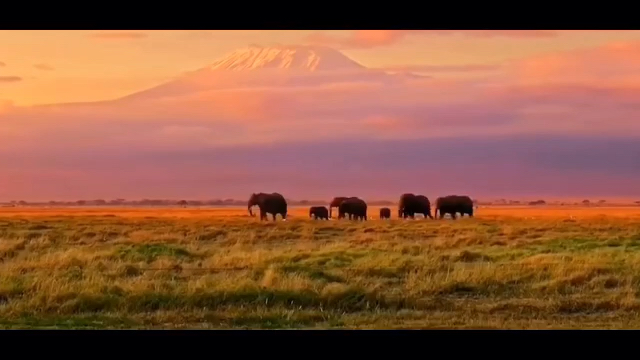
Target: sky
504, 113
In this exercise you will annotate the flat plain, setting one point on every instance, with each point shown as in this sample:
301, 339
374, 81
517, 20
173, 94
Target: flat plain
509, 268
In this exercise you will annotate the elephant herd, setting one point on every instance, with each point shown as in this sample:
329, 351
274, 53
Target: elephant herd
356, 208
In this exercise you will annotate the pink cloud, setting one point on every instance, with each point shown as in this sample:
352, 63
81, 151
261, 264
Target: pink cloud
614, 64
445, 68
119, 35
498, 33
376, 38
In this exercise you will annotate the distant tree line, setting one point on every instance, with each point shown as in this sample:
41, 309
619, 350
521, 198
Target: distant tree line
292, 202
169, 202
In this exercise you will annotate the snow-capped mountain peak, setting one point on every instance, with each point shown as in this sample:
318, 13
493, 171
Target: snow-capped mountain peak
297, 57
275, 66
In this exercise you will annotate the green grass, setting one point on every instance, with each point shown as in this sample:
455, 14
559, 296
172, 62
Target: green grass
64, 271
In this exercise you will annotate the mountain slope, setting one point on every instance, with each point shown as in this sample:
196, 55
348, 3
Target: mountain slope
282, 66
308, 58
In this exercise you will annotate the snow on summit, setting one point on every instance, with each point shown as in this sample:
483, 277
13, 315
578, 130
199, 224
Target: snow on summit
275, 66
310, 58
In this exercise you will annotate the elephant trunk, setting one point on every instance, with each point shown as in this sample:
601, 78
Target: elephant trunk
249, 208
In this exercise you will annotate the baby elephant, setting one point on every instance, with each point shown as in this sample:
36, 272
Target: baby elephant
385, 213
319, 212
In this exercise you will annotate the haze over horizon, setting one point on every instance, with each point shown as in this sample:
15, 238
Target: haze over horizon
222, 114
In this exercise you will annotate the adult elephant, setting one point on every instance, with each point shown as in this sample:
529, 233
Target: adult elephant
411, 204
423, 206
336, 202
273, 204
355, 207
454, 204
406, 205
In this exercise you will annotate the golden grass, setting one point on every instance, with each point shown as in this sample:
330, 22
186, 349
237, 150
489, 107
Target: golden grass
510, 267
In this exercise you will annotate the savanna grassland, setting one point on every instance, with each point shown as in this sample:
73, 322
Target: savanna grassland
510, 267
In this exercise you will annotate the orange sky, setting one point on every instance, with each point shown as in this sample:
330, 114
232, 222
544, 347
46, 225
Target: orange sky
73, 65
495, 114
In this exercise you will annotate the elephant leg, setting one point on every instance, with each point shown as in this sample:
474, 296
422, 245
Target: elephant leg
263, 215
453, 215
274, 216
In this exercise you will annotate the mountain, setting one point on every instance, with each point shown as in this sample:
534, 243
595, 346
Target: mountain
279, 66
306, 58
